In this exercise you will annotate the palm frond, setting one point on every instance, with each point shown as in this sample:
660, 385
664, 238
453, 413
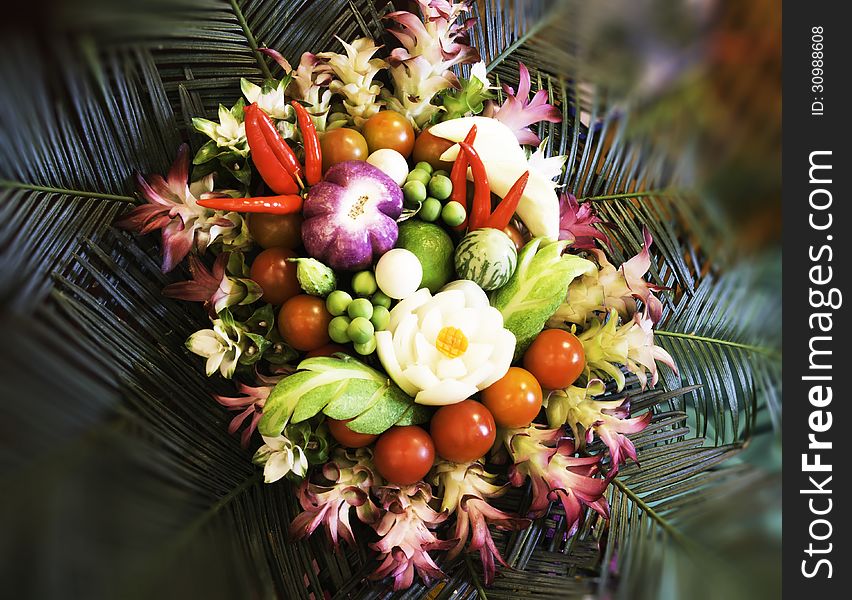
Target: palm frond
723, 337
657, 504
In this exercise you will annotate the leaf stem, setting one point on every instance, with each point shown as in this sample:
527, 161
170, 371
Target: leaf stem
668, 527
665, 193
221, 503
532, 31
17, 185
252, 42
688, 336
480, 591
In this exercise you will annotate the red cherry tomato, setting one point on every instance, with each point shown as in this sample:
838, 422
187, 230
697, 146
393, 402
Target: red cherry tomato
340, 145
556, 358
346, 437
270, 231
429, 148
389, 129
403, 455
303, 322
515, 399
463, 432
327, 350
276, 275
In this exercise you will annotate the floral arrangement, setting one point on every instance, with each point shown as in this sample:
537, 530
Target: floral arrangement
405, 298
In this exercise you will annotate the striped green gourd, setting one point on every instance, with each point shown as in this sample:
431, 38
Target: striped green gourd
487, 257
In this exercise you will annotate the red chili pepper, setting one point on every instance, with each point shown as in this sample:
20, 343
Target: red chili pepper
458, 176
273, 205
279, 147
313, 153
501, 216
481, 192
268, 165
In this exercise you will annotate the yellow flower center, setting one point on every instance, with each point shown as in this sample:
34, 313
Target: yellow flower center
451, 342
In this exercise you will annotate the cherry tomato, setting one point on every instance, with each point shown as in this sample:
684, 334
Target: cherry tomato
271, 231
556, 358
515, 399
463, 432
327, 350
303, 322
340, 145
347, 437
429, 148
403, 455
276, 275
389, 129
515, 235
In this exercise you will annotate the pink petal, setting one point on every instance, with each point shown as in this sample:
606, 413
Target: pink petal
179, 173
177, 242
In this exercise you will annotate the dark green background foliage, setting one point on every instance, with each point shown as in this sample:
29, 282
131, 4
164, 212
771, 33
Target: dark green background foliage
118, 476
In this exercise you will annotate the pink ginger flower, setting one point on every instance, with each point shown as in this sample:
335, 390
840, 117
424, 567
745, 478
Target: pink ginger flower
587, 417
606, 345
407, 536
215, 289
611, 288
634, 271
465, 489
251, 404
642, 355
172, 207
518, 112
576, 224
430, 47
555, 473
309, 84
351, 475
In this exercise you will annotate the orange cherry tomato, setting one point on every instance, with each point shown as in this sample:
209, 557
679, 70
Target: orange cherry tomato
346, 437
515, 399
389, 129
271, 231
463, 432
276, 275
403, 455
429, 148
303, 322
340, 145
556, 358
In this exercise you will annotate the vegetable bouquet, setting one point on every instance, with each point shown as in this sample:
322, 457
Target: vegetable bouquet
415, 317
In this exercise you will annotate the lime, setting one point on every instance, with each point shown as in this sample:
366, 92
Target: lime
433, 248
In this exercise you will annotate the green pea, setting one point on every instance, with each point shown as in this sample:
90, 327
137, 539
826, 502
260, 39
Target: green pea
337, 302
380, 318
364, 283
414, 191
430, 210
453, 214
360, 330
367, 347
440, 187
441, 172
419, 175
423, 166
381, 299
360, 308
338, 329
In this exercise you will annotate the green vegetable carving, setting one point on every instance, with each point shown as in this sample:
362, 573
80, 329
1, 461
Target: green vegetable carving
342, 388
537, 288
314, 277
